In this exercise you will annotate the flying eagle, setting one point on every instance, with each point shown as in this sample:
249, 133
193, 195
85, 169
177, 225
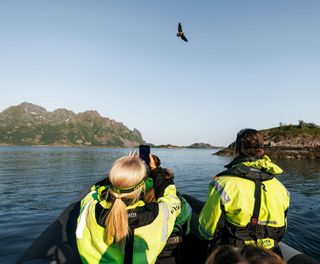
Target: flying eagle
181, 33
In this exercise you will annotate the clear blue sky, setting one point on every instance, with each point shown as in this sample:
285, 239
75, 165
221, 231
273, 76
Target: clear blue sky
247, 63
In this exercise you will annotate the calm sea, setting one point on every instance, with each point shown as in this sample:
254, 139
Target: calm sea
37, 183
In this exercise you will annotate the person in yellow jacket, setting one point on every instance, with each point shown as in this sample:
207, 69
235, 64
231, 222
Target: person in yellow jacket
246, 204
115, 225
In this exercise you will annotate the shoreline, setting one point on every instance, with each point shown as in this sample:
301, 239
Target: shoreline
93, 146
308, 153
280, 152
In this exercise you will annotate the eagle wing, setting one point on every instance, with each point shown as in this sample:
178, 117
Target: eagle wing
184, 37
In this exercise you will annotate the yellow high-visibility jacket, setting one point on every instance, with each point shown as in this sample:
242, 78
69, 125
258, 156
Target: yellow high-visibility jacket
151, 225
227, 216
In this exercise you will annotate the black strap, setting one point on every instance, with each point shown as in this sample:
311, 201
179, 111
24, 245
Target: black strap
257, 203
128, 252
262, 231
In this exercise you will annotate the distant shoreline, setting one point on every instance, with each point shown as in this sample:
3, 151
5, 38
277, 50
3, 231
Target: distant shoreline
275, 153
280, 153
91, 146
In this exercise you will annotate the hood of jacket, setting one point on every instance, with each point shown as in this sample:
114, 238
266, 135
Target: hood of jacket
252, 168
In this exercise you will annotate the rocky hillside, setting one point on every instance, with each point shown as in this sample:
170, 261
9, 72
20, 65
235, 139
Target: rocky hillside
200, 146
192, 146
288, 141
28, 124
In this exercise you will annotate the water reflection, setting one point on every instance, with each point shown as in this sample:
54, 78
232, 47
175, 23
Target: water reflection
301, 176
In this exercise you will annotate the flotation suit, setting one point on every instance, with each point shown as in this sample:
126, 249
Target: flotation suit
246, 205
182, 223
150, 226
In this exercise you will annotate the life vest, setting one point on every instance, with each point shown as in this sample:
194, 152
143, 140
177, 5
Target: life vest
150, 227
182, 223
253, 206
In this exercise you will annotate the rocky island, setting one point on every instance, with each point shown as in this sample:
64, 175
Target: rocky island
300, 141
29, 124
192, 146
201, 146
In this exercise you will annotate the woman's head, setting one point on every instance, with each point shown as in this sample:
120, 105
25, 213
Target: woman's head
127, 177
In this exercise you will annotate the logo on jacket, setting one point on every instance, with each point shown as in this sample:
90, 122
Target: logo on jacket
132, 215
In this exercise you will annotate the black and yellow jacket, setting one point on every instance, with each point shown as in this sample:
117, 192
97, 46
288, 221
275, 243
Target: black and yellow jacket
150, 225
246, 205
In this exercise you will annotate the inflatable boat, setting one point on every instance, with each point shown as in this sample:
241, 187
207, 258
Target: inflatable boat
57, 244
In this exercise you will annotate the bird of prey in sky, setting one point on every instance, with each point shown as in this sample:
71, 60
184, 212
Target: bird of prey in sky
181, 33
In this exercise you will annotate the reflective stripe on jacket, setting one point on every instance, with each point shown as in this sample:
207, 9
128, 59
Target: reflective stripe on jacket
149, 239
231, 201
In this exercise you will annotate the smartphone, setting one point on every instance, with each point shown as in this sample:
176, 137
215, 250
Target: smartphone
144, 152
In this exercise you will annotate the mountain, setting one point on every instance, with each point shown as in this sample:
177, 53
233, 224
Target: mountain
29, 124
287, 141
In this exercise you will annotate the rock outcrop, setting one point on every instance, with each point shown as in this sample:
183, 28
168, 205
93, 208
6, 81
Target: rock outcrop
290, 142
200, 146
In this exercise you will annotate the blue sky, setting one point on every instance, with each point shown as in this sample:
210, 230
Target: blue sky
247, 63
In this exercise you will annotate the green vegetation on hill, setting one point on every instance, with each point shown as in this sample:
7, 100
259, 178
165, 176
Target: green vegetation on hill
28, 124
302, 128
288, 141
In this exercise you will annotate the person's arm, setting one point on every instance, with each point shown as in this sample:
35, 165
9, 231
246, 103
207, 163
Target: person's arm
211, 218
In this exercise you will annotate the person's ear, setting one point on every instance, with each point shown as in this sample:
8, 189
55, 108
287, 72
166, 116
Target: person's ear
260, 152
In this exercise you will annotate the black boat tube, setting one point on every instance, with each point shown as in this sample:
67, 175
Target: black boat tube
290, 255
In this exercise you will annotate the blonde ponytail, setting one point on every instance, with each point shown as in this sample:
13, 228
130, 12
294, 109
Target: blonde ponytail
117, 222
125, 173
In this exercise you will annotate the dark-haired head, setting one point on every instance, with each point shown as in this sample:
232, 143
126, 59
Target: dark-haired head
258, 255
249, 143
226, 255
157, 161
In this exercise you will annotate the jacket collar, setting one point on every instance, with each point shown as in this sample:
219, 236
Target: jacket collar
252, 168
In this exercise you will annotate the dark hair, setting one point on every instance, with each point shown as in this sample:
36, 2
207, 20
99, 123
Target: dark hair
249, 142
258, 255
157, 161
169, 174
226, 255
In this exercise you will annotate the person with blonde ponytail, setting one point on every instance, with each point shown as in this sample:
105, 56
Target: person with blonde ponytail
116, 225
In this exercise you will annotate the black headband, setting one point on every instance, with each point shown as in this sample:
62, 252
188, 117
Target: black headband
130, 189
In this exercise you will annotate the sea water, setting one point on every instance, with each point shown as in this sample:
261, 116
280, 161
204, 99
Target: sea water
37, 183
